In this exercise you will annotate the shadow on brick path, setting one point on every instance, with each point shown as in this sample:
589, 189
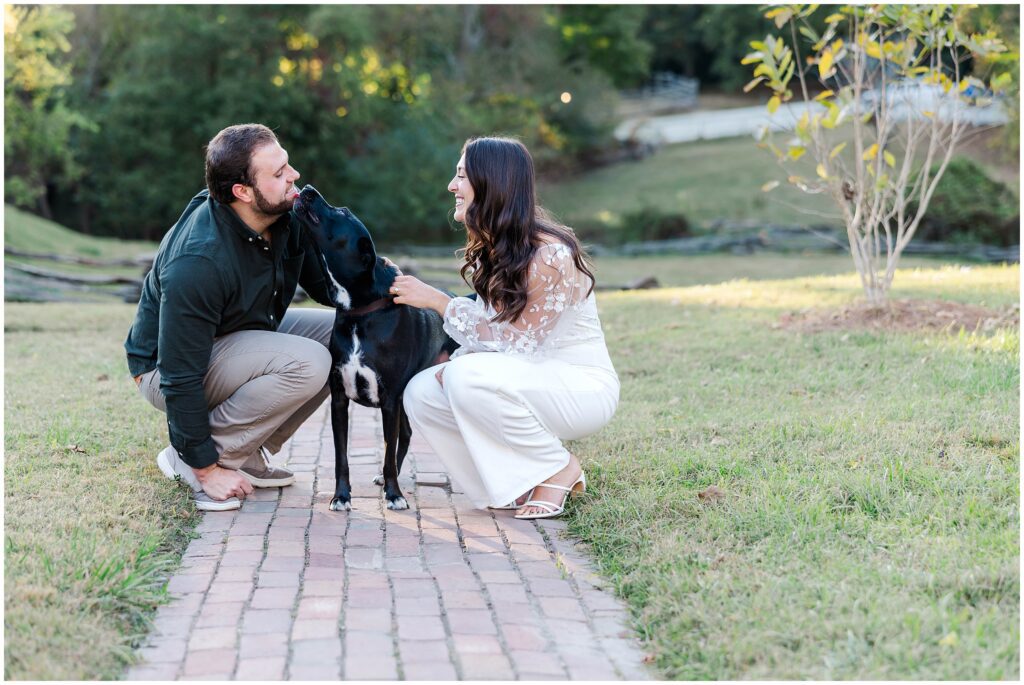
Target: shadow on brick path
284, 589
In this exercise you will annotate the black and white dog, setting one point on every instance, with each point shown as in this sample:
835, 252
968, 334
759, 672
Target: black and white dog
377, 346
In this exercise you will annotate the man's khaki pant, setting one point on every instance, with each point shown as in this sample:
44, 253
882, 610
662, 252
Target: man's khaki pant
261, 386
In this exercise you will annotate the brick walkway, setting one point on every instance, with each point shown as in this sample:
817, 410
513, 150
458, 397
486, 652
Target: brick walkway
283, 588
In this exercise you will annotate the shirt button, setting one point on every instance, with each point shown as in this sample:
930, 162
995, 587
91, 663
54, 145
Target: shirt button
271, 317
275, 292
250, 240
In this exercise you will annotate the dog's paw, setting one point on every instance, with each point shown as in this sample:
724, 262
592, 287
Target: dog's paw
398, 504
338, 505
379, 479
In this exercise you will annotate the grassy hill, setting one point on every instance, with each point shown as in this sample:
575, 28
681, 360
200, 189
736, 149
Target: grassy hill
30, 233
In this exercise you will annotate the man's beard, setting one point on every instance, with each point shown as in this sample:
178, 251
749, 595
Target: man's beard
265, 207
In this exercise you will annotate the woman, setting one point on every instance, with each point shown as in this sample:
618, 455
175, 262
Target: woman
532, 369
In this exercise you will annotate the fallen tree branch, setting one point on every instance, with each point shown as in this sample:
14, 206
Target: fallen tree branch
70, 278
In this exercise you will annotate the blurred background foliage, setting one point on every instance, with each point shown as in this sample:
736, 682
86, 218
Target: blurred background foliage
108, 107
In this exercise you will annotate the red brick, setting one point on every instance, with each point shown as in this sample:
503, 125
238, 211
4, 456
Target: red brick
485, 667
420, 628
274, 598
323, 588
213, 638
266, 668
537, 662
471, 621
476, 644
314, 629
420, 651
278, 579
358, 667
265, 645
524, 637
462, 599
320, 607
417, 606
210, 662
321, 651
164, 650
373, 620
313, 671
430, 670
235, 574
277, 621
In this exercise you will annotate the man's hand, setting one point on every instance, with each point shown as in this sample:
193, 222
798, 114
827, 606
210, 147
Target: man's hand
220, 483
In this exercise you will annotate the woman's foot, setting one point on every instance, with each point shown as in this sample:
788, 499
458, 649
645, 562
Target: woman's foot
516, 503
569, 478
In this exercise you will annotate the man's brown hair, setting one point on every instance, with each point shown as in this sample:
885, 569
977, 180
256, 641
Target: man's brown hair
229, 158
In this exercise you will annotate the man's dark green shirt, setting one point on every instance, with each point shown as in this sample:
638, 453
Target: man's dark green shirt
212, 275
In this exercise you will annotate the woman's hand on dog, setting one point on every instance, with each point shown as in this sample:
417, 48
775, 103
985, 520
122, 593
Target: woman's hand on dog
415, 293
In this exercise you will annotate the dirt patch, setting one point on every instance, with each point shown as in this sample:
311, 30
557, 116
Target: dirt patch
903, 316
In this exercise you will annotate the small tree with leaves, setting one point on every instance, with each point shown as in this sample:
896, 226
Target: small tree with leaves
893, 84
38, 123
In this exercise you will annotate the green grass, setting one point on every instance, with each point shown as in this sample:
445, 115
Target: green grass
30, 233
870, 523
90, 527
707, 180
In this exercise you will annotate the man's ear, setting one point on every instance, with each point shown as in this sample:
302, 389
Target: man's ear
243, 193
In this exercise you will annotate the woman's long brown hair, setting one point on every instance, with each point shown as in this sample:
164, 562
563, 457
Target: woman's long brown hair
504, 224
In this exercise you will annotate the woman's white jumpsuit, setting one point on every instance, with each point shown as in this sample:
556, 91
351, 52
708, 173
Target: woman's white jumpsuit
515, 390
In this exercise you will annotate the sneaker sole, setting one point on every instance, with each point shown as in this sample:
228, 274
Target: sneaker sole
218, 506
165, 466
267, 483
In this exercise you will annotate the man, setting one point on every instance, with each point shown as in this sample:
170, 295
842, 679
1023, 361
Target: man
212, 344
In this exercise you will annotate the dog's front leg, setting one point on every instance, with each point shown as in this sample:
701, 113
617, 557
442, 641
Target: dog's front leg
339, 426
392, 427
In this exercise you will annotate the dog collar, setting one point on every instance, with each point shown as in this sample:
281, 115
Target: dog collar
372, 307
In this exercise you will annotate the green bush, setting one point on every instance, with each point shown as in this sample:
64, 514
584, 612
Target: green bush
970, 207
648, 223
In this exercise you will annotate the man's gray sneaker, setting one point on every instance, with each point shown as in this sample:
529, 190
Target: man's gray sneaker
267, 475
174, 468
206, 503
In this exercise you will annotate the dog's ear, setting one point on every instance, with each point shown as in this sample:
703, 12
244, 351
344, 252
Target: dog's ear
367, 255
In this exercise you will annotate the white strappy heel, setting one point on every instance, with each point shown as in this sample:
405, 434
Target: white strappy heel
552, 509
512, 505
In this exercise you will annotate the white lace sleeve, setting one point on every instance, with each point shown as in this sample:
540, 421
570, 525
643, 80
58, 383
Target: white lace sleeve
554, 285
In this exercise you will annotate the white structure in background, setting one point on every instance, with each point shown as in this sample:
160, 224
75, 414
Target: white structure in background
906, 97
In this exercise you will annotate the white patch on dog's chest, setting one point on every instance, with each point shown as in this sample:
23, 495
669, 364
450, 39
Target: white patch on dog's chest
353, 369
339, 295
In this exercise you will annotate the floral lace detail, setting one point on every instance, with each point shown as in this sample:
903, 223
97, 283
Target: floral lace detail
555, 290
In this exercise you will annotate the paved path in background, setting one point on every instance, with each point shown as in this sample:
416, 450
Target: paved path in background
284, 589
745, 121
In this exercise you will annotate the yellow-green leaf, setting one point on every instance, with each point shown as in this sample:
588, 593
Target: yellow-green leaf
751, 58
769, 186
821, 171
773, 104
890, 159
963, 85
870, 153
928, 113
836, 150
825, 64
950, 640
796, 151
832, 18
750, 86
873, 50
763, 70
759, 46
823, 94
